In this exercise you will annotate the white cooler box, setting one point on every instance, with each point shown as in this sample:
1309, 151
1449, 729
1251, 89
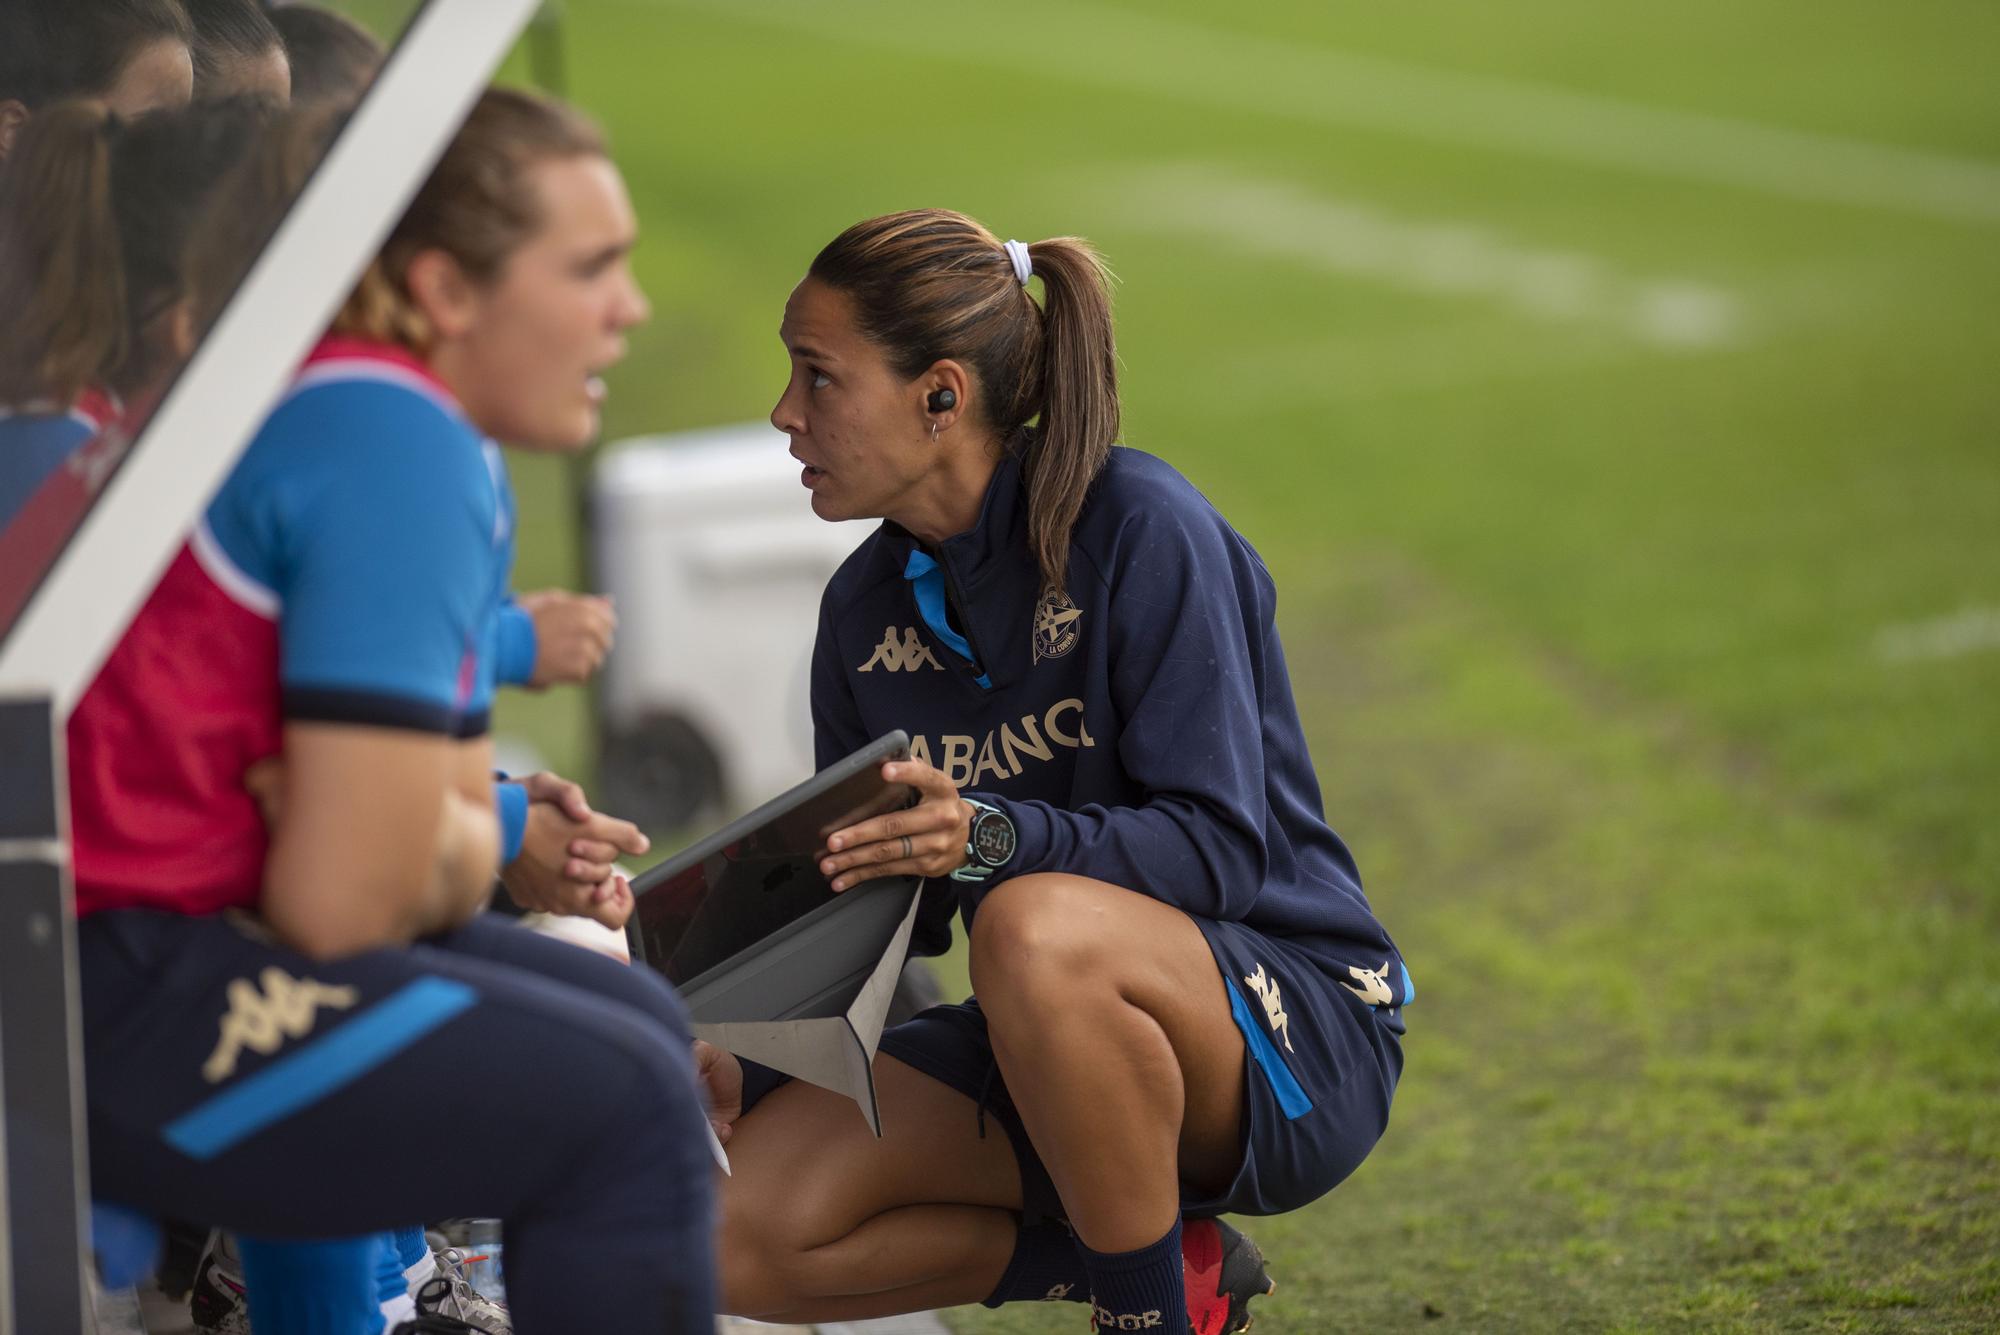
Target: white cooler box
711, 549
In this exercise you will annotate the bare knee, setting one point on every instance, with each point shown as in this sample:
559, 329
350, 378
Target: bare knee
1040, 940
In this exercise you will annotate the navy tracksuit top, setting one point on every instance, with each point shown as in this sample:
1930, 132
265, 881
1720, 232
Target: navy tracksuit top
1140, 731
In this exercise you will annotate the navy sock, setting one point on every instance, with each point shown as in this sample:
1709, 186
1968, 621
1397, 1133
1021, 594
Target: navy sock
1139, 1290
1047, 1266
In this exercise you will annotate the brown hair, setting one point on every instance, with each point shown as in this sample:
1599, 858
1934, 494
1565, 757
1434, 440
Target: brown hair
931, 285
95, 217
333, 57
55, 49
251, 202
226, 31
478, 206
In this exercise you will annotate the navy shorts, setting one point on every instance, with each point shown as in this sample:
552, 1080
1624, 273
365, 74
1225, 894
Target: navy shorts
486, 1071
1321, 1070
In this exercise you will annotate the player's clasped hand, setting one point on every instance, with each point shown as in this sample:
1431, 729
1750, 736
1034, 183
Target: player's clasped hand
566, 864
927, 839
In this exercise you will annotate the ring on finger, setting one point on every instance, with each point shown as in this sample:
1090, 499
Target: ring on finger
906, 846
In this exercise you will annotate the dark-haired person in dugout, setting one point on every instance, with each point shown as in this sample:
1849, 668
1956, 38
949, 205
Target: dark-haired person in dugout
134, 56
1184, 1004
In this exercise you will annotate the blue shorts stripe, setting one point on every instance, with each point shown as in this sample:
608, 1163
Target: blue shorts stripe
320, 1068
1291, 1097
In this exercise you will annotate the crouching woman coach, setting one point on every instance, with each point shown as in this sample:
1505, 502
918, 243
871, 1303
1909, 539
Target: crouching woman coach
1184, 1005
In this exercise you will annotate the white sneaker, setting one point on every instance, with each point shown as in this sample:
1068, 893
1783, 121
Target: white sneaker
451, 1294
217, 1304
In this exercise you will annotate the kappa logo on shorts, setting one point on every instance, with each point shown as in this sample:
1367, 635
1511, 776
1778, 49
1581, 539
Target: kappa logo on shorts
1057, 624
288, 1007
1374, 987
1266, 989
1057, 1293
905, 655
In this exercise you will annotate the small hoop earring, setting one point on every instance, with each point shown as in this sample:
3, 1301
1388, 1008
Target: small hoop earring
934, 431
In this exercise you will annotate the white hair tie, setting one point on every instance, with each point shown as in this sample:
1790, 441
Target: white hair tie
1017, 255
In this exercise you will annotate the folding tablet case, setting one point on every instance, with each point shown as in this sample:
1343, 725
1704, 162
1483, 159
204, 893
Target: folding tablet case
772, 964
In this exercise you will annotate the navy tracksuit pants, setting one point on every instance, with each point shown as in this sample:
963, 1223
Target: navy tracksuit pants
486, 1072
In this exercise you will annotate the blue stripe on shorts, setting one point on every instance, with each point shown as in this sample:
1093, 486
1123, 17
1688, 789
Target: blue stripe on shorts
319, 1069
1291, 1097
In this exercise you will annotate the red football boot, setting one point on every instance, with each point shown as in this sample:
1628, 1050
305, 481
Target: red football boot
1222, 1271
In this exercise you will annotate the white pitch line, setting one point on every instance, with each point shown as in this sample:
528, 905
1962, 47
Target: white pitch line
1451, 258
1109, 48
1975, 630
1365, 367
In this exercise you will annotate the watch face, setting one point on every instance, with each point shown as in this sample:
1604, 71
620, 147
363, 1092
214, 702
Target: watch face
993, 838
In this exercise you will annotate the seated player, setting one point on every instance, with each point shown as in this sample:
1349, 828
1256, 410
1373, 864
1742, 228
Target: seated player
97, 310
264, 1017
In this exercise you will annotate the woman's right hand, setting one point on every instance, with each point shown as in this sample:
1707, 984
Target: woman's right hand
721, 1077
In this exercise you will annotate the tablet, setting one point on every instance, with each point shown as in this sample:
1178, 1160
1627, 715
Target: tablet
758, 878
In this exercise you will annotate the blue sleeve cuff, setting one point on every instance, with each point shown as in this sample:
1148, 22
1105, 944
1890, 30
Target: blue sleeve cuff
512, 801
514, 647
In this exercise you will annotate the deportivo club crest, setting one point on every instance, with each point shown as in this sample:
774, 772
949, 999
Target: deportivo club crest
1056, 624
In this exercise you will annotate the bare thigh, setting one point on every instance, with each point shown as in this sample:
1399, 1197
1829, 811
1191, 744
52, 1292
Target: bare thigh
807, 1171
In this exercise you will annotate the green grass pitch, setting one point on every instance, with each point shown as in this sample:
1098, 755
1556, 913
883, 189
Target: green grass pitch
1612, 392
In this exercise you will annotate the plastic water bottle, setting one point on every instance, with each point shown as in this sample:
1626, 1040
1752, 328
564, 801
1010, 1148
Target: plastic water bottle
482, 1258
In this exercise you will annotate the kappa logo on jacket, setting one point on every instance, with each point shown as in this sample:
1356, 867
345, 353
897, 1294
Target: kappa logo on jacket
1058, 621
904, 655
1266, 988
288, 1007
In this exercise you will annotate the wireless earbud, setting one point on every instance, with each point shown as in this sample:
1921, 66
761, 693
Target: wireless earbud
942, 401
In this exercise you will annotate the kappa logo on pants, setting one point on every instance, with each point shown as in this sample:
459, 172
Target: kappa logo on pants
1266, 988
288, 1007
1374, 987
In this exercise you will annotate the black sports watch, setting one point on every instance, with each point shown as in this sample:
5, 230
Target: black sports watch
991, 844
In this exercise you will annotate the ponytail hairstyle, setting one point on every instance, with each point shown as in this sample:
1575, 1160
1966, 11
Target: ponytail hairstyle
930, 285
62, 280
56, 49
95, 217
479, 206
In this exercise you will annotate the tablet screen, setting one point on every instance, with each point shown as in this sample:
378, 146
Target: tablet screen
694, 917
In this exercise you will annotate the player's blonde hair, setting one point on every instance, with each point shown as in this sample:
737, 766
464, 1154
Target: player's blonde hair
479, 205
